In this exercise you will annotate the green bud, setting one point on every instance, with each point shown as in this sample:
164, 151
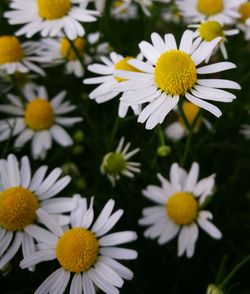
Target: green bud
113, 163
79, 136
69, 168
81, 184
78, 149
213, 289
6, 269
163, 151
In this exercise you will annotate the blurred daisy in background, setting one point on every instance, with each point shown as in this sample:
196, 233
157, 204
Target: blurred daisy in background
224, 11
178, 210
25, 204
20, 57
244, 20
178, 129
38, 119
107, 79
245, 131
74, 55
116, 163
209, 30
170, 73
85, 251
124, 10
50, 17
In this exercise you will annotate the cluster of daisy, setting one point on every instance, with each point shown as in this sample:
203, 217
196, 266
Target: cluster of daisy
164, 78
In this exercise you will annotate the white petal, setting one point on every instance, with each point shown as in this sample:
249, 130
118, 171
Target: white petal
118, 238
41, 234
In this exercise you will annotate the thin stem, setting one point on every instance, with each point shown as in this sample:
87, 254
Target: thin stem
17, 88
233, 272
76, 52
183, 116
161, 136
115, 128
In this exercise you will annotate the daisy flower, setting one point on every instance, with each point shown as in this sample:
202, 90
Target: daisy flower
210, 30
50, 17
19, 57
124, 10
60, 51
224, 11
244, 21
178, 209
37, 119
170, 73
116, 163
85, 251
178, 129
108, 79
27, 201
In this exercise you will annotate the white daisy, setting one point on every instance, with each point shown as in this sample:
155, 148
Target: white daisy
210, 30
50, 17
178, 209
124, 10
244, 21
84, 251
19, 57
178, 129
25, 202
116, 163
108, 79
37, 118
170, 73
224, 11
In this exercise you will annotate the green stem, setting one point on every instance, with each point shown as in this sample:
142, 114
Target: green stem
183, 116
72, 45
161, 136
233, 272
115, 127
17, 88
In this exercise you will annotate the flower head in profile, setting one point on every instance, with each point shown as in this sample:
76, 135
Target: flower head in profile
170, 73
17, 57
85, 251
107, 79
26, 202
178, 210
38, 119
50, 17
244, 20
224, 11
178, 129
209, 30
116, 163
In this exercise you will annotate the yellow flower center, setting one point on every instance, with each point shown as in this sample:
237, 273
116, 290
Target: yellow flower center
113, 163
77, 250
68, 52
39, 115
210, 7
175, 72
182, 208
17, 208
210, 30
244, 10
123, 65
53, 9
191, 111
10, 50
117, 4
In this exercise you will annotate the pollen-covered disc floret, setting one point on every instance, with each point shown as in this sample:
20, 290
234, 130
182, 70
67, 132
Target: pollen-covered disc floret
39, 114
244, 11
210, 30
10, 50
68, 52
210, 7
191, 111
114, 163
178, 209
87, 253
77, 250
53, 9
17, 208
182, 208
175, 72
